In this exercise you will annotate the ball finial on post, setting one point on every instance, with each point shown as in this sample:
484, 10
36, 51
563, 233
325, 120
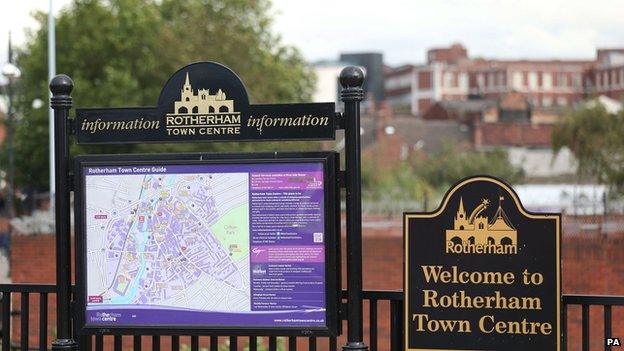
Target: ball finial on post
61, 85
351, 77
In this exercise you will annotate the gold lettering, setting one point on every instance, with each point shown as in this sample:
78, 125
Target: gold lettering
488, 325
482, 324
454, 275
423, 323
429, 298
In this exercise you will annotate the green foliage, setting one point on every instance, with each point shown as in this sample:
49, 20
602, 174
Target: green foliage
121, 52
425, 178
595, 138
449, 166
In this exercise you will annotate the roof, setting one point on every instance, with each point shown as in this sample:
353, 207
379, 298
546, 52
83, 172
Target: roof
461, 106
462, 110
397, 71
515, 134
429, 136
514, 101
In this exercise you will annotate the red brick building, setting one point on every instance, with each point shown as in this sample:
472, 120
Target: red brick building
450, 74
607, 77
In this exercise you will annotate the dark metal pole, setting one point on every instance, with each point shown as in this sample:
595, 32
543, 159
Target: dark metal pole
61, 102
351, 79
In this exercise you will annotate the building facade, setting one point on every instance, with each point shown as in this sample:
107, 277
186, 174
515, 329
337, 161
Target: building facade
607, 77
450, 74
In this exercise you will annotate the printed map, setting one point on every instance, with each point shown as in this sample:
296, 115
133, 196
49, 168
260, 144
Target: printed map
169, 240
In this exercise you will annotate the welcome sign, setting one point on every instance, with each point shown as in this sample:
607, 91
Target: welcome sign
482, 273
205, 102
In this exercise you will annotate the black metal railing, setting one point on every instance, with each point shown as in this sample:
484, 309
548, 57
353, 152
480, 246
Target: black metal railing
391, 314
587, 301
7, 312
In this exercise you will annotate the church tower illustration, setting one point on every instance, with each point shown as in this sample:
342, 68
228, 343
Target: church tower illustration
202, 102
479, 230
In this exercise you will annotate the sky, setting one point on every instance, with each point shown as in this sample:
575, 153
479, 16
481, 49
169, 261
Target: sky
404, 30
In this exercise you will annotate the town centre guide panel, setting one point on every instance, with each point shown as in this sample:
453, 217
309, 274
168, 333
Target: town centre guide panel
219, 242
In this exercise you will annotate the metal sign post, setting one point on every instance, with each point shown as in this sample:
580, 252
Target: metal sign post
61, 101
351, 79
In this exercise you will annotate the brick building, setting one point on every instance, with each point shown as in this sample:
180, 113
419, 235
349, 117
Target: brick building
607, 77
450, 74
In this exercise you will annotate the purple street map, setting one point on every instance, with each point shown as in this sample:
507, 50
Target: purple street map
208, 244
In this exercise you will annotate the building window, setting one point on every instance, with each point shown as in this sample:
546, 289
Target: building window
533, 80
577, 80
605, 79
448, 79
547, 80
562, 80
546, 101
517, 80
463, 81
562, 101
491, 80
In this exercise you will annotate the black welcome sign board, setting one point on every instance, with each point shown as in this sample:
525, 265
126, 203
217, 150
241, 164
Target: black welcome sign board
482, 273
205, 102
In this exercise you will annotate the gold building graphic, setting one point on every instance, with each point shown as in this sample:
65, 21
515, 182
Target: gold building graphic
480, 235
201, 102
201, 113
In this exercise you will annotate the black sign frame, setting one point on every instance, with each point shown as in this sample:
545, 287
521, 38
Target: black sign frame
408, 217
330, 160
216, 108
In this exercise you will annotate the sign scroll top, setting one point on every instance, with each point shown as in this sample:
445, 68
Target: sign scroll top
205, 102
482, 273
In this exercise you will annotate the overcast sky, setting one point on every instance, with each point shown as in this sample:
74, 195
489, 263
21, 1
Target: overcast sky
403, 30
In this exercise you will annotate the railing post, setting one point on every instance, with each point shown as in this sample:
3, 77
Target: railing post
61, 102
351, 79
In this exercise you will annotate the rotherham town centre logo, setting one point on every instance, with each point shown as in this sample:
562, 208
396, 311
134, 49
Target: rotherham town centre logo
202, 113
476, 234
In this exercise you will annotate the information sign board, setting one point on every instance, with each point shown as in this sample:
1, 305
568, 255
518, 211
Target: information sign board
217, 241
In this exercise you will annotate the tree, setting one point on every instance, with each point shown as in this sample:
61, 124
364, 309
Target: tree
450, 165
426, 177
594, 136
120, 53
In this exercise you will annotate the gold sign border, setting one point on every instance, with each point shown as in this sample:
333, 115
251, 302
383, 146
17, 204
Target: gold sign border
442, 208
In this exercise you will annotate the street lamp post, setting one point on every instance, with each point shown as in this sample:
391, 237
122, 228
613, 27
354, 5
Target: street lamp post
12, 74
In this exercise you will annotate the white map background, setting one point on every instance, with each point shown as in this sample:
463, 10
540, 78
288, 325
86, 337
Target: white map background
170, 240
